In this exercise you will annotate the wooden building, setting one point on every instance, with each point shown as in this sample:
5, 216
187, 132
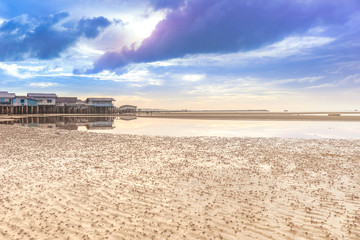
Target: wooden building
6, 97
101, 105
6, 100
128, 110
68, 105
100, 102
24, 101
66, 101
46, 101
49, 103
24, 105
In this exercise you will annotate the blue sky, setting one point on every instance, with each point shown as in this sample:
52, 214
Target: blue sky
194, 54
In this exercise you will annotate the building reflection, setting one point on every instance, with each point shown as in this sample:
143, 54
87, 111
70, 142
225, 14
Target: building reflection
68, 123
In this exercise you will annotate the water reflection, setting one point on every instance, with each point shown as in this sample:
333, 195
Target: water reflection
238, 128
65, 122
194, 127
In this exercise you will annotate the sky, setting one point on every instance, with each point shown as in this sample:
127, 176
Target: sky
298, 55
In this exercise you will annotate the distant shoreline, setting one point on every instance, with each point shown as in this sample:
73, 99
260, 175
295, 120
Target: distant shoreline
261, 116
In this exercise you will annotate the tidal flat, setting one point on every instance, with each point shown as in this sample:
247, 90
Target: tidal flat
58, 184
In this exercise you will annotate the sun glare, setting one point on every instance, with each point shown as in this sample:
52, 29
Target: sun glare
141, 27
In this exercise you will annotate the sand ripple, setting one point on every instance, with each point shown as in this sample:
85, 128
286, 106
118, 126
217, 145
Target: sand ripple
57, 184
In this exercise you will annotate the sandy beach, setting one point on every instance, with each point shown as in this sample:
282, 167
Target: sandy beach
58, 184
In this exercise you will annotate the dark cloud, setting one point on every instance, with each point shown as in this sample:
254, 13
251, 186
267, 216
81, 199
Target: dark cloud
171, 4
92, 27
44, 38
223, 26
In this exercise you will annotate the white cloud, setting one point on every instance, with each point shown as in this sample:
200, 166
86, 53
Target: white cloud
136, 77
289, 46
162, 63
10, 69
325, 85
193, 77
231, 87
309, 79
300, 45
20, 71
227, 92
59, 69
293, 80
85, 51
353, 78
44, 84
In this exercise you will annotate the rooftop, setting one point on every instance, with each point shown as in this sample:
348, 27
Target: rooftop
4, 94
124, 106
67, 99
42, 95
100, 99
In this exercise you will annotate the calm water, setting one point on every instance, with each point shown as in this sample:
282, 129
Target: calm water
191, 127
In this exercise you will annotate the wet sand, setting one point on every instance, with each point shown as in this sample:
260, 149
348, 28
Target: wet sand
253, 115
58, 184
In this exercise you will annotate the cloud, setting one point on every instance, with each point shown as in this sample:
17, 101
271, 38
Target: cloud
193, 77
170, 4
91, 28
45, 38
325, 85
295, 80
296, 47
355, 78
348, 80
20, 71
299, 46
289, 46
44, 84
137, 77
226, 26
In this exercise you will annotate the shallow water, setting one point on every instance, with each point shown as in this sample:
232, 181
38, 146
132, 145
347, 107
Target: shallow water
197, 127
